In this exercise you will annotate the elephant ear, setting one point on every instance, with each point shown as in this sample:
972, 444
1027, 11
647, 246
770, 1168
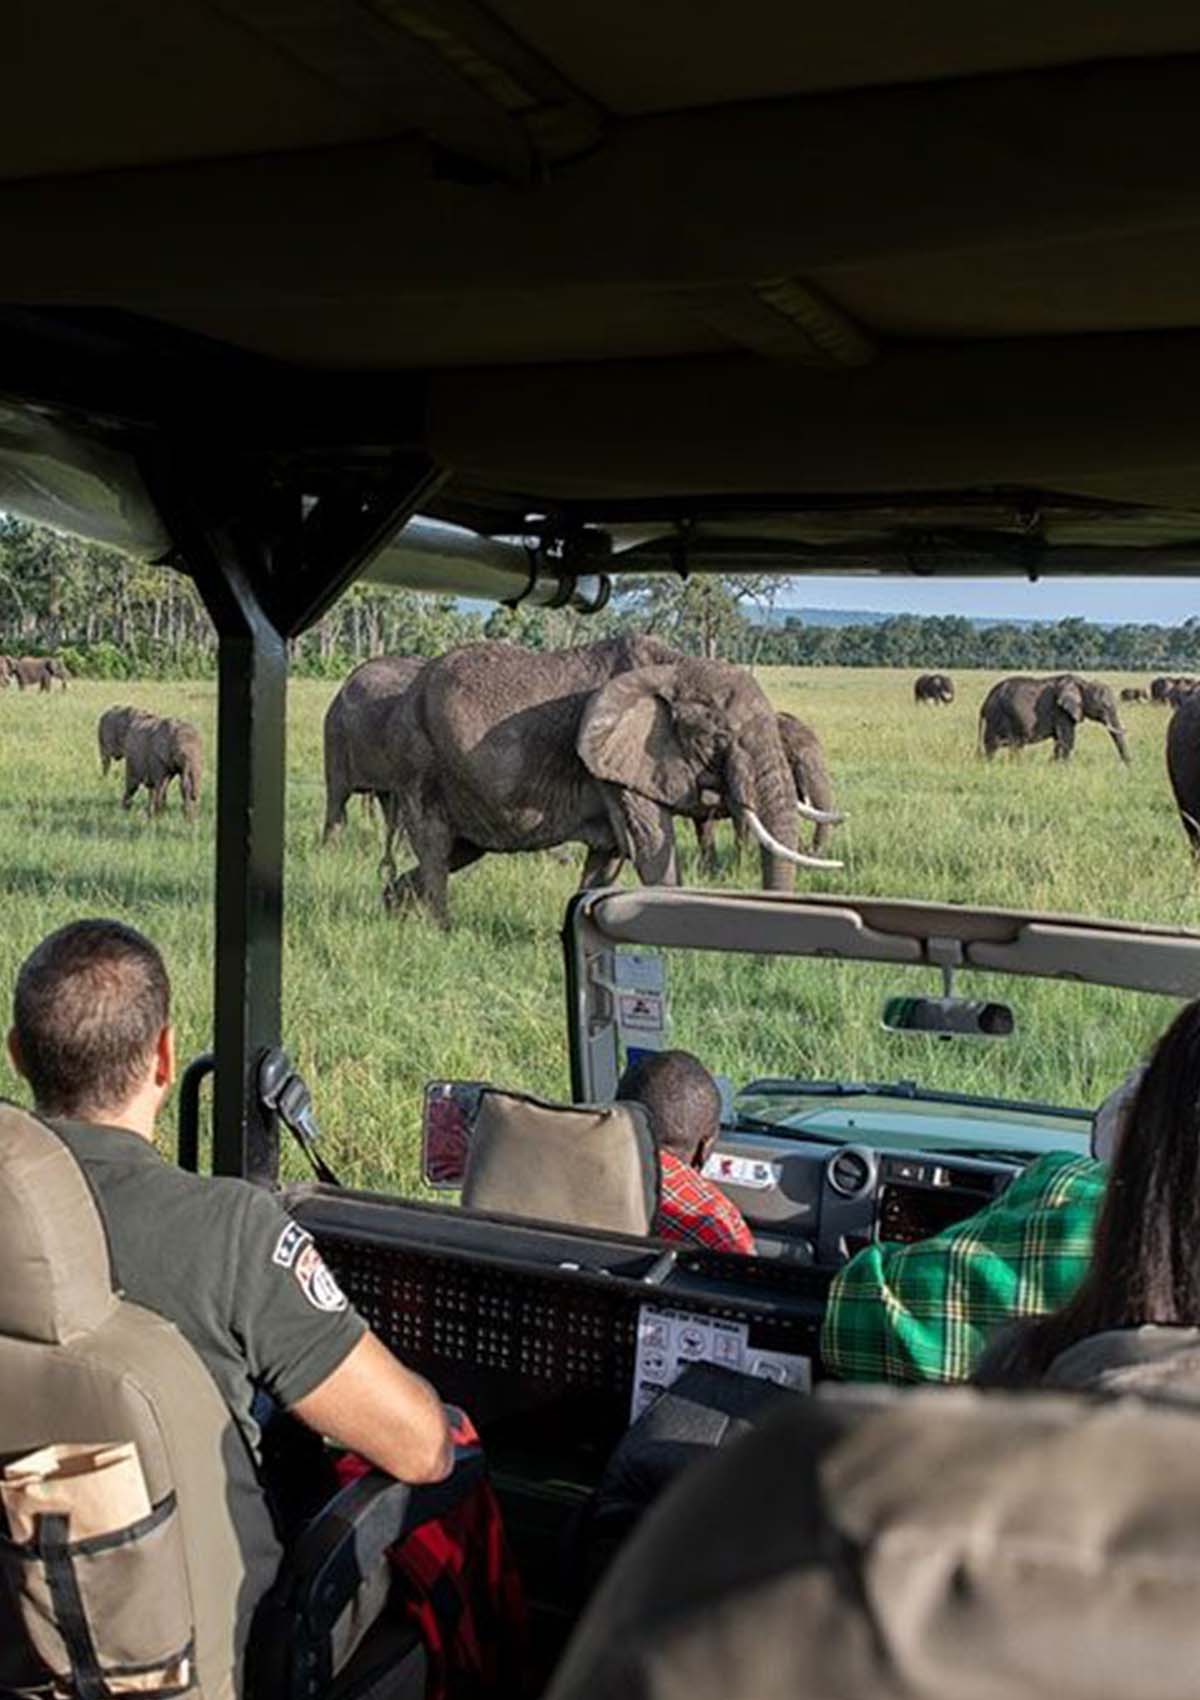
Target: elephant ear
628, 737
1068, 699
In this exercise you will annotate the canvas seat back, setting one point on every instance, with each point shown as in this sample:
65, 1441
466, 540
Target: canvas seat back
590, 1166
946, 1545
78, 1363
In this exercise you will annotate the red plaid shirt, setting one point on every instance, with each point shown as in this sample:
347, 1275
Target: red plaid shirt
692, 1208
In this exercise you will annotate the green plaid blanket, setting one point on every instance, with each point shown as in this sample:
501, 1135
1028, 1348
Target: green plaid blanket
924, 1312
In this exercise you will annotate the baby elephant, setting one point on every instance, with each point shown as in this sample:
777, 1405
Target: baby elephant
157, 751
1135, 693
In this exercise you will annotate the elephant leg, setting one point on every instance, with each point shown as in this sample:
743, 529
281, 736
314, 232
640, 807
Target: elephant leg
602, 867
1064, 738
706, 841
335, 811
439, 852
1192, 827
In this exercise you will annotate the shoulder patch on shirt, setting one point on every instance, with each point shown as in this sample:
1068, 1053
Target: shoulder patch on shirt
317, 1282
288, 1244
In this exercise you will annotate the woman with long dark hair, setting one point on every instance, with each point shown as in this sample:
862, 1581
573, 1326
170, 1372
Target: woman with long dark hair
1145, 1267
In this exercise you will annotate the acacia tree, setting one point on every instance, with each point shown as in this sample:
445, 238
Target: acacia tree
703, 614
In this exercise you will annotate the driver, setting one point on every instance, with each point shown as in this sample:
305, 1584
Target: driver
683, 1106
925, 1312
219, 1258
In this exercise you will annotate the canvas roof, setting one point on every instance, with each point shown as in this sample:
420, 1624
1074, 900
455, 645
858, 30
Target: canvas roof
890, 280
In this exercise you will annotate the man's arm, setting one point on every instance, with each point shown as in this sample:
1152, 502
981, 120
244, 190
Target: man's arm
393, 1418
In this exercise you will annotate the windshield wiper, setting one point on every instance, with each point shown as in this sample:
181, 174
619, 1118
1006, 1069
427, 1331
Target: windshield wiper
830, 1089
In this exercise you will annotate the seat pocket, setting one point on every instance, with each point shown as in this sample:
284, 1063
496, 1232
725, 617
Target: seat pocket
107, 1615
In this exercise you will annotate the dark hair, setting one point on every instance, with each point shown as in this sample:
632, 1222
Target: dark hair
1146, 1259
88, 1007
680, 1097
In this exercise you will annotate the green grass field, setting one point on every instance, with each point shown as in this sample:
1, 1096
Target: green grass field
375, 1006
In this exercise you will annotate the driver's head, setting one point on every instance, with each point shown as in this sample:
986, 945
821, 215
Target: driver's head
681, 1099
91, 1028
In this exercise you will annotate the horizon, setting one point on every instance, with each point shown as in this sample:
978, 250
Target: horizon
1105, 601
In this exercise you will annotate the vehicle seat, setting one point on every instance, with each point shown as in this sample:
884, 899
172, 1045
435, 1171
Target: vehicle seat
591, 1166
80, 1363
949, 1543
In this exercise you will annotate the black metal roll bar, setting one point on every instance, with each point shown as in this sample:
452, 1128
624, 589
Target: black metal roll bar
192, 1079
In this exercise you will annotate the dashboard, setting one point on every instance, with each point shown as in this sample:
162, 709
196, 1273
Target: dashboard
820, 1177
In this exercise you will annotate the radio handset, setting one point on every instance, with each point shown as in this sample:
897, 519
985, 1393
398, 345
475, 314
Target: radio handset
285, 1092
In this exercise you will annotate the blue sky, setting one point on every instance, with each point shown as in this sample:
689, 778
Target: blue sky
1160, 601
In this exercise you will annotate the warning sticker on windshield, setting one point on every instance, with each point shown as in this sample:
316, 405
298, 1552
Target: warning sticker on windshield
754, 1172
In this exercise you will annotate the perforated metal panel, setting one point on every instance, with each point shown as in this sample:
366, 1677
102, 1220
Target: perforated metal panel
547, 1333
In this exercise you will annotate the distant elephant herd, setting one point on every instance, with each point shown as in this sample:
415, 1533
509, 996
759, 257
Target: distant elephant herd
497, 748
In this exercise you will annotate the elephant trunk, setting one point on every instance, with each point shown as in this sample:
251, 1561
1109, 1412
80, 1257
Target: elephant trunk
1117, 733
814, 787
762, 799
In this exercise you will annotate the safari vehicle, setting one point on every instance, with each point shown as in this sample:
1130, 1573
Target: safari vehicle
594, 289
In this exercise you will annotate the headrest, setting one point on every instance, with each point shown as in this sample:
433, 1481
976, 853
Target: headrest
593, 1166
1153, 1362
950, 1544
55, 1276
1108, 1123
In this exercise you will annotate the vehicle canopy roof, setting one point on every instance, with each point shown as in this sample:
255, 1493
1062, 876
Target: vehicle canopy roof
898, 289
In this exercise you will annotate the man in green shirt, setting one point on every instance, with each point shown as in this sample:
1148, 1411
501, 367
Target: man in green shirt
924, 1312
219, 1258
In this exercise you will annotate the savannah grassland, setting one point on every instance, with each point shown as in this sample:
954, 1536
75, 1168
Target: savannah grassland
375, 1006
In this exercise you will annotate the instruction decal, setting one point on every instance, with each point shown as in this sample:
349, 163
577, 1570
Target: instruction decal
669, 1340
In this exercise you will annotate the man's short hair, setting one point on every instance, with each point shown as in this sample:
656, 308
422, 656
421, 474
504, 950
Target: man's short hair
680, 1097
88, 1007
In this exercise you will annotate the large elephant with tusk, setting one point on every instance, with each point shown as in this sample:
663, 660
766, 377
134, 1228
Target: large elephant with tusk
814, 789
499, 748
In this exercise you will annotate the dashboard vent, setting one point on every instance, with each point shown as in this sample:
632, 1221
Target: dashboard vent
851, 1171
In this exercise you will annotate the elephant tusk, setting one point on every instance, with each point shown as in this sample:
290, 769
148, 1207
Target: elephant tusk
830, 817
777, 849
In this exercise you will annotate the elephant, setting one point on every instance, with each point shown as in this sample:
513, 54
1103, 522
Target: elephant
935, 688
112, 731
1135, 693
499, 748
813, 786
1020, 711
354, 742
1168, 690
158, 750
39, 670
1183, 766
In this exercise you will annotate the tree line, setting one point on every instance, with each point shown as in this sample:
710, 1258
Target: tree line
110, 616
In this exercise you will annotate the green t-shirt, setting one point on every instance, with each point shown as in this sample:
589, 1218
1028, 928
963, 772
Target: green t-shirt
925, 1312
219, 1258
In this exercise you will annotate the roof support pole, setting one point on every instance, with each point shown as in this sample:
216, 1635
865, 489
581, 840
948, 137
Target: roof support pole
251, 749
268, 556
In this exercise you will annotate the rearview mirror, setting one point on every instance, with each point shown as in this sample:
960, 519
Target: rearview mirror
949, 1018
449, 1116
